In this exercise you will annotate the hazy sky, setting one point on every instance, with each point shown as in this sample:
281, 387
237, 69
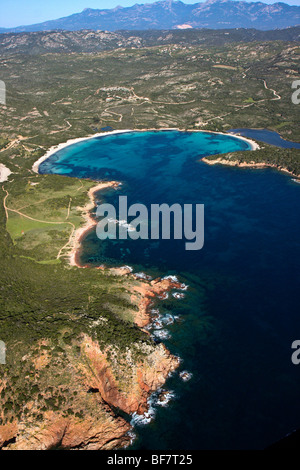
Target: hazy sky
22, 12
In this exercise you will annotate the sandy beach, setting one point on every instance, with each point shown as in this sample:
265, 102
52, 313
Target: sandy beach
4, 173
254, 145
56, 148
90, 222
145, 291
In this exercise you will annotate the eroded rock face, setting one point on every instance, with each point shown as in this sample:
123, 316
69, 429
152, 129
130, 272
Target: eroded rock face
8, 433
58, 432
73, 394
92, 385
148, 291
123, 382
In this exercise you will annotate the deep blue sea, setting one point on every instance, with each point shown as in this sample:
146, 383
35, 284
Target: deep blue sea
240, 314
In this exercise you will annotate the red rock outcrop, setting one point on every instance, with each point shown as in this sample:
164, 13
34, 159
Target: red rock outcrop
101, 382
68, 433
8, 432
123, 382
148, 291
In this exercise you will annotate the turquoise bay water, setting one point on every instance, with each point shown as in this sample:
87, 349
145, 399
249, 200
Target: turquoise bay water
240, 315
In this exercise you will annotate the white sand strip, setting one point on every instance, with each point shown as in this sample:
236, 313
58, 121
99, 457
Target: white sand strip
4, 173
61, 146
254, 145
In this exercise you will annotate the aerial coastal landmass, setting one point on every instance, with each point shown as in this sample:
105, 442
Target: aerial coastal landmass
83, 364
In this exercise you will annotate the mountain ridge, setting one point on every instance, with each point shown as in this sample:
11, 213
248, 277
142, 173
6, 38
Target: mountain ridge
168, 14
87, 41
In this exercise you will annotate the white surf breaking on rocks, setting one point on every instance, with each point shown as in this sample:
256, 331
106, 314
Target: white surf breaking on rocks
160, 398
143, 276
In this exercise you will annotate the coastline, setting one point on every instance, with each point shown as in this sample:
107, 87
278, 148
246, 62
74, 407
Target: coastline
147, 289
264, 129
56, 148
144, 292
256, 165
90, 222
157, 287
252, 143
148, 292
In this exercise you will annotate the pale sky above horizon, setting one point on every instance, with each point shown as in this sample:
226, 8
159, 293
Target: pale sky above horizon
25, 12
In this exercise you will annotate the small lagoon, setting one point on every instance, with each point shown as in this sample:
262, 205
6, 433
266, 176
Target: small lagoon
268, 137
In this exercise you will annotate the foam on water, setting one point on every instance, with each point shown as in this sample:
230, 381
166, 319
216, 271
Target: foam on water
185, 375
178, 295
160, 398
143, 276
129, 268
172, 278
162, 334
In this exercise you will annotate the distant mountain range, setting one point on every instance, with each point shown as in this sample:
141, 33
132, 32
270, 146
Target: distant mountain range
168, 14
86, 41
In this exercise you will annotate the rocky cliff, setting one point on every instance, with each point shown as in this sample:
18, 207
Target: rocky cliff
74, 398
125, 381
